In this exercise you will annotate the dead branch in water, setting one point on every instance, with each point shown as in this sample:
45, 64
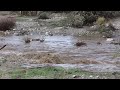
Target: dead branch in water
2, 47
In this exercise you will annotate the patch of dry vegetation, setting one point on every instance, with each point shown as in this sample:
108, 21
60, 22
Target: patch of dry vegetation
41, 58
7, 23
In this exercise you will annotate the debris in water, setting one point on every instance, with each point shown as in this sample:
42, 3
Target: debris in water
81, 44
99, 43
2, 47
48, 33
27, 40
35, 39
42, 40
115, 43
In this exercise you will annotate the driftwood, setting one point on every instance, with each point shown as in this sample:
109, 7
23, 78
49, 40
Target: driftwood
2, 47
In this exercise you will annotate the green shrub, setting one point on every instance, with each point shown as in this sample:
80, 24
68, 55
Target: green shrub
81, 18
106, 32
43, 15
100, 21
91, 16
76, 21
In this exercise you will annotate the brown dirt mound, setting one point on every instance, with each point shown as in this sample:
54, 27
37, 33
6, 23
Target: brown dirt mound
33, 55
41, 58
51, 58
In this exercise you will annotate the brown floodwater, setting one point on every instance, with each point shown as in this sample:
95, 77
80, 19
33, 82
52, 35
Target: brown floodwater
64, 45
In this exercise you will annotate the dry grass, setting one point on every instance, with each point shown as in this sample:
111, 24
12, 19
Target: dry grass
41, 58
33, 55
85, 61
100, 21
51, 58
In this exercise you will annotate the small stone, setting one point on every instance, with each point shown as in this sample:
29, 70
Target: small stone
74, 76
99, 43
42, 40
97, 76
90, 76
110, 39
14, 29
83, 75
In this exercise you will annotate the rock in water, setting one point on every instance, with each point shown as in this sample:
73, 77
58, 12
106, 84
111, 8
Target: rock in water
81, 44
109, 39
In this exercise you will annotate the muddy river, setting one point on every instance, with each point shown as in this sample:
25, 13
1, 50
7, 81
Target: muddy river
104, 57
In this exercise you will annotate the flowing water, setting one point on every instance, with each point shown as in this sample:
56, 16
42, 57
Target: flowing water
64, 45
